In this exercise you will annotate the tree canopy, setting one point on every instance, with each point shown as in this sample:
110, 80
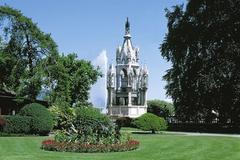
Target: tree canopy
71, 79
203, 46
160, 108
30, 63
22, 46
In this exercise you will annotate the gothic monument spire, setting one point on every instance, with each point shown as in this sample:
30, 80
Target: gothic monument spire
127, 27
127, 83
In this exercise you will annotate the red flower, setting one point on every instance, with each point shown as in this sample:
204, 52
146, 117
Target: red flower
77, 147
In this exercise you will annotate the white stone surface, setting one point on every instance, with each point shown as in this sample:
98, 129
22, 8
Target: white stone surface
127, 82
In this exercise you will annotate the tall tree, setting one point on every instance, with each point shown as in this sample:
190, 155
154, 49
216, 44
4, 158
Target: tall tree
23, 46
203, 46
30, 62
71, 79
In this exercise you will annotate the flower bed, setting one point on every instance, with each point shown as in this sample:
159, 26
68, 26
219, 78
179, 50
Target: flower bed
52, 145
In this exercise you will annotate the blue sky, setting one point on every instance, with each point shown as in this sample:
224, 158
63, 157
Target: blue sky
93, 27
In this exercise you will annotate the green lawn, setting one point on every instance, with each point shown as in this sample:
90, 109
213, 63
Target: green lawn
152, 147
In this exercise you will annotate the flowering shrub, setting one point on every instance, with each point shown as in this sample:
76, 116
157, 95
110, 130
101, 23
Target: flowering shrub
87, 125
87, 130
52, 145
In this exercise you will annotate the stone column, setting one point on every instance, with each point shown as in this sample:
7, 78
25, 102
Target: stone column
141, 98
117, 81
145, 98
13, 112
109, 100
129, 98
109, 97
109, 110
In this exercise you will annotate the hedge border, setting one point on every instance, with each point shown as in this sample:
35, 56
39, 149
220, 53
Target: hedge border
204, 127
16, 124
52, 145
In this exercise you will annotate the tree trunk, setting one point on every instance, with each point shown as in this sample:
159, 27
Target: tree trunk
153, 131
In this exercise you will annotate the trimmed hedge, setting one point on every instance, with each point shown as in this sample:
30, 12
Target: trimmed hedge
17, 124
150, 122
204, 127
42, 120
52, 145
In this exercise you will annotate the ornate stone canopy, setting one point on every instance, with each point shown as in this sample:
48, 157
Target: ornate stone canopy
127, 82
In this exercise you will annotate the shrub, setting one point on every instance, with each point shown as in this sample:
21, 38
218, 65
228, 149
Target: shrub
90, 115
17, 124
52, 145
62, 114
87, 130
88, 125
42, 121
150, 122
124, 122
160, 108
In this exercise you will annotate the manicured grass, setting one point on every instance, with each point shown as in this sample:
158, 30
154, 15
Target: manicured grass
152, 147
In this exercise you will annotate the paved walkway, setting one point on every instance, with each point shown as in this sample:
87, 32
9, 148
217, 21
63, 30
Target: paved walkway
204, 134
191, 133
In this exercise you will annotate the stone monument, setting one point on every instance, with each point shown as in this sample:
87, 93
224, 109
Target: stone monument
127, 82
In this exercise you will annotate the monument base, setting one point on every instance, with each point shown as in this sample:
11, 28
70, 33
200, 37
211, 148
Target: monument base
127, 111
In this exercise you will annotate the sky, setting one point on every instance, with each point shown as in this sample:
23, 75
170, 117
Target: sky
95, 28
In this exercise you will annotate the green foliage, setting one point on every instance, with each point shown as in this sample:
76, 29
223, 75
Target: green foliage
42, 121
17, 124
160, 108
87, 125
85, 113
62, 114
154, 147
150, 122
124, 122
29, 61
72, 79
23, 46
203, 46
92, 125
51, 145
